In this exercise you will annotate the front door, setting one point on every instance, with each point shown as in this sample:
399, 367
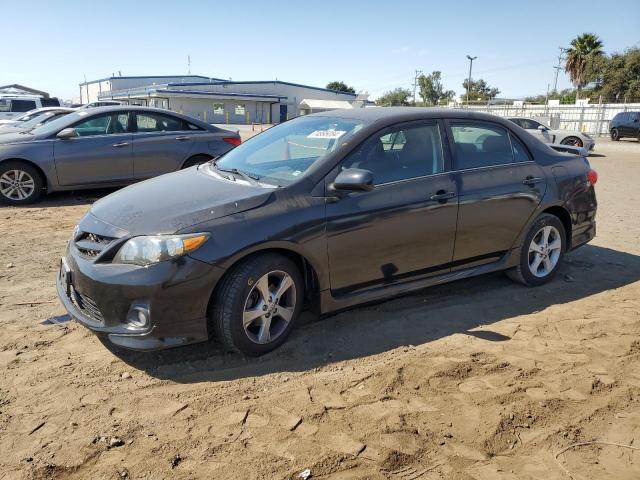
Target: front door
283, 113
101, 152
161, 144
405, 226
500, 187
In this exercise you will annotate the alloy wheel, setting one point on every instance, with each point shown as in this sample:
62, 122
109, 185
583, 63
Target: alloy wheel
544, 251
269, 307
17, 185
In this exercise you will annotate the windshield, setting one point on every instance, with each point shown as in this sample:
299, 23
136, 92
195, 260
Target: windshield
282, 154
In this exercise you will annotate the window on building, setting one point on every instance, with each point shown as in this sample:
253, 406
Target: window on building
218, 108
153, 122
240, 109
480, 145
4, 106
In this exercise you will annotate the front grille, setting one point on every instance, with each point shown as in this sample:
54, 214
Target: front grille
87, 306
90, 245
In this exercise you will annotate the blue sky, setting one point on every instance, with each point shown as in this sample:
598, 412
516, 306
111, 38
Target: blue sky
372, 45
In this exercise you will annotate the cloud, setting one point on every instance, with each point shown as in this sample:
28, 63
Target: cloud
403, 49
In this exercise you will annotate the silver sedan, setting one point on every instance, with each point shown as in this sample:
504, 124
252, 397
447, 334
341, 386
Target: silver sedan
572, 138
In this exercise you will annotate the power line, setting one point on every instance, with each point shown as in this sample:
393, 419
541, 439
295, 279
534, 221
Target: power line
558, 67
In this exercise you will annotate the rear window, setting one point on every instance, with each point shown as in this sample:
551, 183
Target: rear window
50, 102
22, 105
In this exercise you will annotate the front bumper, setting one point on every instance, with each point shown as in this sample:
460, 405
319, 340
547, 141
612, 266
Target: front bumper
176, 294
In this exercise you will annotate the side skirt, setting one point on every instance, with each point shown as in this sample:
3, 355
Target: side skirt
330, 303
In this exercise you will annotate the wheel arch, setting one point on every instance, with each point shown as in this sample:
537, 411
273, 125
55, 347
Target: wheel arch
209, 156
37, 167
565, 217
313, 282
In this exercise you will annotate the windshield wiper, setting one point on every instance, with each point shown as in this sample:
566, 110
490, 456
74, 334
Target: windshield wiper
249, 178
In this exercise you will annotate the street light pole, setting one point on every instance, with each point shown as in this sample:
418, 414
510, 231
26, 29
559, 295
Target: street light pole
471, 59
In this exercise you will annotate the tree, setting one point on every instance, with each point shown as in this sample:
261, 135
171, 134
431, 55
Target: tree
479, 91
340, 87
581, 55
432, 91
619, 77
397, 97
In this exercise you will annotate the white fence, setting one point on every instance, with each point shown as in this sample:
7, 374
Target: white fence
591, 119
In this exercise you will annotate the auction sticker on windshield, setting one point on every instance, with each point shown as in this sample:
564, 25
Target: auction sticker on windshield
327, 134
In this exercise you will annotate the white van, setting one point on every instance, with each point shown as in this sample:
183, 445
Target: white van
13, 105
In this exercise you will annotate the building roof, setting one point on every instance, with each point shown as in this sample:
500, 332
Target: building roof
17, 89
325, 104
151, 76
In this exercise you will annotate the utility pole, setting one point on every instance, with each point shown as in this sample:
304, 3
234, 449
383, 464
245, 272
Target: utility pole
558, 67
415, 85
471, 59
189, 64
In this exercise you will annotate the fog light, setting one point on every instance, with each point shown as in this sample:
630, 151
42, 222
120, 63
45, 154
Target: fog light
138, 317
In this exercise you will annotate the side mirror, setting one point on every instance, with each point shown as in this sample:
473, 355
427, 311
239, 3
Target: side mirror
542, 128
67, 133
354, 179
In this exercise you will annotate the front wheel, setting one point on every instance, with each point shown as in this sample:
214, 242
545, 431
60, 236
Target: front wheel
572, 141
541, 253
20, 183
615, 134
257, 304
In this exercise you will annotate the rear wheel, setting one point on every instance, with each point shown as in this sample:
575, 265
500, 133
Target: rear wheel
541, 253
196, 160
615, 134
257, 304
573, 141
20, 183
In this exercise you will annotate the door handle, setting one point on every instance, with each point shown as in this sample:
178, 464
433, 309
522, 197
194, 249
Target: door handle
441, 195
531, 180
183, 138
121, 144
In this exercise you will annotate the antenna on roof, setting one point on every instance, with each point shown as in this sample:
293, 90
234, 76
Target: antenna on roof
119, 73
189, 64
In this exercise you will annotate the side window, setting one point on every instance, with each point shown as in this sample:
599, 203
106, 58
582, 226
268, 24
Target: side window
107, 124
520, 153
480, 145
22, 105
529, 124
153, 122
400, 153
191, 126
635, 117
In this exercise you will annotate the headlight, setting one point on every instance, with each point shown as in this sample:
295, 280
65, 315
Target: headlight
153, 249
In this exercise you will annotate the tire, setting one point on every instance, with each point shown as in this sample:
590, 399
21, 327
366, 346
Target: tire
20, 183
239, 296
572, 141
524, 272
615, 135
195, 160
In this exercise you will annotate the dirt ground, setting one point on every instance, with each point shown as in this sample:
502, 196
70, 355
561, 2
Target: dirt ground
479, 379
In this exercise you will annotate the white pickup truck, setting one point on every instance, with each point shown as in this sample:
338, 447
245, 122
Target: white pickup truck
13, 105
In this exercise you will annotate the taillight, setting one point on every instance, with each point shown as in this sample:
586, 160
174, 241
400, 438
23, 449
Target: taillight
235, 141
592, 177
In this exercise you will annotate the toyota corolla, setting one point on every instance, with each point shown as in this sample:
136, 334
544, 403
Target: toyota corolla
325, 212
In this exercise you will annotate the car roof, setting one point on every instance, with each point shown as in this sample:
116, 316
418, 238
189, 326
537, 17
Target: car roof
399, 114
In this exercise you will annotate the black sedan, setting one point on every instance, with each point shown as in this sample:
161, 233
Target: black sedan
104, 147
327, 211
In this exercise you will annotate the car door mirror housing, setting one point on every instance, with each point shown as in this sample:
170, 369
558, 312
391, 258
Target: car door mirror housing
67, 133
353, 179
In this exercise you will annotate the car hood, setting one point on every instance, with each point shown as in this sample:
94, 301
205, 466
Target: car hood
172, 202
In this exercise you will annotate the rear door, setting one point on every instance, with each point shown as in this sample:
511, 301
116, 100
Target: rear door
633, 124
500, 186
161, 143
101, 153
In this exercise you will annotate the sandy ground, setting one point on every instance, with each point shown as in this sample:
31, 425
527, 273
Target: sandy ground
480, 379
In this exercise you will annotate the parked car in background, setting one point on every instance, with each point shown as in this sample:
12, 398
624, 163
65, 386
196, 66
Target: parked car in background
327, 210
45, 112
35, 122
625, 125
12, 106
548, 135
102, 103
104, 146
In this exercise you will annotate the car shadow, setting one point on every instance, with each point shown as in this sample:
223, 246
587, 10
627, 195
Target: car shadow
70, 198
414, 319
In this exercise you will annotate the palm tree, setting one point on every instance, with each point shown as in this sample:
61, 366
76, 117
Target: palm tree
584, 48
